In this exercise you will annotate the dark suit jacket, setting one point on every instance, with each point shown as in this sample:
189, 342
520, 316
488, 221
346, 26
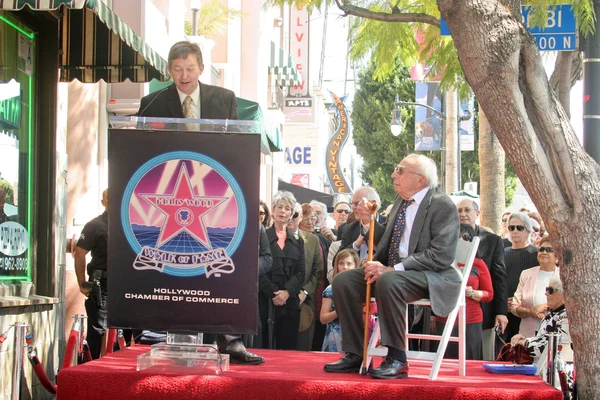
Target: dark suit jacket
313, 268
351, 231
287, 272
431, 248
215, 103
491, 251
265, 259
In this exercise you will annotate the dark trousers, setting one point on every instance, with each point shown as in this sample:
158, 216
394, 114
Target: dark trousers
282, 322
96, 321
473, 341
393, 290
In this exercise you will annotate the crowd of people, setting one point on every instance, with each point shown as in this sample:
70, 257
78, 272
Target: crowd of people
512, 292
311, 292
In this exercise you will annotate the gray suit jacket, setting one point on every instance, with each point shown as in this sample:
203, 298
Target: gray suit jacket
215, 103
431, 249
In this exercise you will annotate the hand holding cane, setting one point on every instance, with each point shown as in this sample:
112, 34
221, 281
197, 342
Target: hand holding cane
372, 206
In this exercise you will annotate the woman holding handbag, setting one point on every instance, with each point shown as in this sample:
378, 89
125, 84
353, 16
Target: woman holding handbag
554, 321
529, 300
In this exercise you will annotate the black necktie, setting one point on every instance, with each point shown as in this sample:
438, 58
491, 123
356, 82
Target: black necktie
399, 224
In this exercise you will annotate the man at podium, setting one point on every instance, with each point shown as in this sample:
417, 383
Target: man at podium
188, 98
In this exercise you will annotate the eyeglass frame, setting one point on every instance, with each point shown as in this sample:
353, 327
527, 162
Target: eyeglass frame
550, 290
344, 211
401, 169
546, 249
519, 228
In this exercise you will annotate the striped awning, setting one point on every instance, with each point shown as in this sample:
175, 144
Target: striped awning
97, 44
281, 68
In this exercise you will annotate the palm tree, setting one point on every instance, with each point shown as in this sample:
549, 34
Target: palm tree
213, 19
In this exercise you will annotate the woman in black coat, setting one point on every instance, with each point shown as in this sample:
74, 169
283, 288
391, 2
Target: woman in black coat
278, 303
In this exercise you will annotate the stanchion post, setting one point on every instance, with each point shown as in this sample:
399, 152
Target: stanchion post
553, 339
19, 355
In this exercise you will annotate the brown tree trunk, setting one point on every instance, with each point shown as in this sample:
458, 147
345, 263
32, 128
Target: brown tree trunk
502, 64
491, 176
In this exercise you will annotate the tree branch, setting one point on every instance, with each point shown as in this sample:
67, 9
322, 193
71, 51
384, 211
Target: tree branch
349, 9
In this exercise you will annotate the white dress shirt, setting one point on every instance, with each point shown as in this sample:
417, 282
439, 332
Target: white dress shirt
411, 213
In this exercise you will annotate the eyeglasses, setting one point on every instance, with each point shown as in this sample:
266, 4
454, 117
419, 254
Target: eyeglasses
520, 228
465, 210
343, 211
504, 220
467, 238
295, 215
400, 170
551, 290
535, 229
545, 250
261, 213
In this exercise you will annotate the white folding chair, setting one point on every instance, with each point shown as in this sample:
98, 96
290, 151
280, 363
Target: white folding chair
465, 254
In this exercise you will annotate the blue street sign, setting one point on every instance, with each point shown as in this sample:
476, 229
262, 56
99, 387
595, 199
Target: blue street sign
559, 34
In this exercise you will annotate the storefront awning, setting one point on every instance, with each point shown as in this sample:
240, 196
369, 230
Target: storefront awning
250, 111
281, 68
304, 195
97, 44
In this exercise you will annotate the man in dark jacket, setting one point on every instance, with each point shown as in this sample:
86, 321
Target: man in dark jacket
188, 98
491, 251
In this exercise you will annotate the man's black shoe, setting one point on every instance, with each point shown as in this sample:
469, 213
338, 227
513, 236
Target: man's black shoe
390, 369
348, 363
245, 357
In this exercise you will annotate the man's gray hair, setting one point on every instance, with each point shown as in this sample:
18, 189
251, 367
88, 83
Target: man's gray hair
524, 219
556, 283
285, 197
371, 195
183, 49
323, 206
426, 167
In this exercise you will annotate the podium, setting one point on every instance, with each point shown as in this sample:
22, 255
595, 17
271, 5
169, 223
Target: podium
183, 232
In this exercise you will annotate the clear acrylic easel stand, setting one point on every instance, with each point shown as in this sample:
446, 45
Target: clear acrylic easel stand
185, 354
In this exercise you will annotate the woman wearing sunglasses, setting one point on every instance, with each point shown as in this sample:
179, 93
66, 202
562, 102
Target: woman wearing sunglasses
518, 257
529, 301
264, 215
554, 321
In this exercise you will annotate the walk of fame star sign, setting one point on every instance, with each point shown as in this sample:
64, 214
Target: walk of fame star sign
183, 214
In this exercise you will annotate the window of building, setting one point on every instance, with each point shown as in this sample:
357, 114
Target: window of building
17, 143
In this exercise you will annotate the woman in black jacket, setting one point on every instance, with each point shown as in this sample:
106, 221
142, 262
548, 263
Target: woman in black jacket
278, 303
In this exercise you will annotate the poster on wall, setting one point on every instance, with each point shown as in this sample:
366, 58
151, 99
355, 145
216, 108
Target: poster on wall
183, 231
428, 126
467, 128
298, 105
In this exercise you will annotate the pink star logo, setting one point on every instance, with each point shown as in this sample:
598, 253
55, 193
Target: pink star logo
183, 210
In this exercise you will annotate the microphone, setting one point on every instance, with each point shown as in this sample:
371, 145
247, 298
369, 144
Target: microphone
152, 101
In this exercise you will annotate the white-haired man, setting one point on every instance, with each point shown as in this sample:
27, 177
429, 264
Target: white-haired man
413, 260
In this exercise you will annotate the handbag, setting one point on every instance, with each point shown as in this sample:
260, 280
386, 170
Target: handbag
517, 354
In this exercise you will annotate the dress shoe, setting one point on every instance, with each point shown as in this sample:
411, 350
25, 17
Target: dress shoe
348, 363
390, 369
245, 357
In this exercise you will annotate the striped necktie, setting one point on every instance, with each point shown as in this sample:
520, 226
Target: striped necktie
399, 224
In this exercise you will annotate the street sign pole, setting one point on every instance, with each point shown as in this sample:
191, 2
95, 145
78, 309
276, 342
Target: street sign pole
591, 90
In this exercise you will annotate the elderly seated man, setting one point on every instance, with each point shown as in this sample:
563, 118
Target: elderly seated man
413, 260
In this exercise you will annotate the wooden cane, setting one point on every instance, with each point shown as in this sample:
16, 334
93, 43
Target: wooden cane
372, 208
